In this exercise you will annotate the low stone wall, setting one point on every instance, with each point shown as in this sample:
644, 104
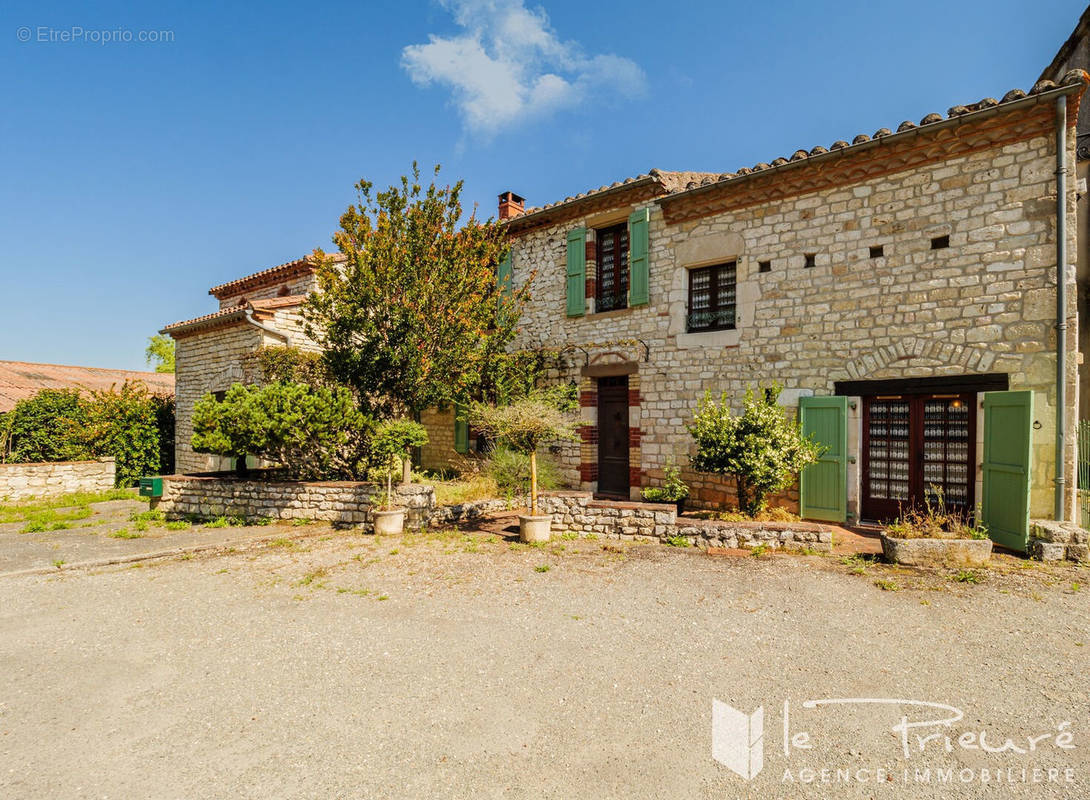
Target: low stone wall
580, 513
474, 509
1056, 541
43, 479
340, 502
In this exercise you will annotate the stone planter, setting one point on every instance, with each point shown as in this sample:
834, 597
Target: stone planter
937, 552
392, 521
535, 529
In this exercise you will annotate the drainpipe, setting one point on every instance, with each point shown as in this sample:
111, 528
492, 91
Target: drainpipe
1061, 302
271, 331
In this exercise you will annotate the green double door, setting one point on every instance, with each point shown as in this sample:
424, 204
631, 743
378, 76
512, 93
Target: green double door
1006, 466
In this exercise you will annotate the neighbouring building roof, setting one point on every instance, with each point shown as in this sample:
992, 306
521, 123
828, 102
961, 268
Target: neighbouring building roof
280, 272
20, 380
671, 185
262, 309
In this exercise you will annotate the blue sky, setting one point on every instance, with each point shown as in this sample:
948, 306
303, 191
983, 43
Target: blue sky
136, 175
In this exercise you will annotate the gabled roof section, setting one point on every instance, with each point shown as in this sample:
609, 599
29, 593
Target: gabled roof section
652, 184
265, 277
20, 380
966, 128
672, 190
262, 309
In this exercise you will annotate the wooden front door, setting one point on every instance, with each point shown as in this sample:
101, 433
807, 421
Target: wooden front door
916, 448
613, 436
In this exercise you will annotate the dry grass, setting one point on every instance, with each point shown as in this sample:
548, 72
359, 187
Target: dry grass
774, 514
476, 487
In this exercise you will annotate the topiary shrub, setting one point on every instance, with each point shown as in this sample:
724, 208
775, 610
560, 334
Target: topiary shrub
760, 448
528, 423
314, 432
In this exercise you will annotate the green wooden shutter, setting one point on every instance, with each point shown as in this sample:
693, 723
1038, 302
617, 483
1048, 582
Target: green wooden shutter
503, 276
577, 272
461, 428
1008, 434
823, 485
638, 244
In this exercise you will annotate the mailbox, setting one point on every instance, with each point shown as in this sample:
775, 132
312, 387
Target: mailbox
151, 487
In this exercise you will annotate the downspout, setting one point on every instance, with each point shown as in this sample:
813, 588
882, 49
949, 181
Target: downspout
271, 331
1061, 302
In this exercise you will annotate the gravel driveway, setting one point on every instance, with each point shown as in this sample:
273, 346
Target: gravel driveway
457, 665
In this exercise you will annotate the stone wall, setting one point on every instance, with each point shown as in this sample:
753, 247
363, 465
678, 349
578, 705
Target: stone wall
580, 513
1056, 541
439, 452
207, 361
47, 479
984, 304
340, 502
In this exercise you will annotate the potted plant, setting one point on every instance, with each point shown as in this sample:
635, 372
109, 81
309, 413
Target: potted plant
523, 426
673, 489
933, 535
393, 444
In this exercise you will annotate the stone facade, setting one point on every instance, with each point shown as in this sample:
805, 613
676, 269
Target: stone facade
48, 479
439, 452
984, 304
341, 502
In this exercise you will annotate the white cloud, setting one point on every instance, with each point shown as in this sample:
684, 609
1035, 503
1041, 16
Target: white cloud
508, 65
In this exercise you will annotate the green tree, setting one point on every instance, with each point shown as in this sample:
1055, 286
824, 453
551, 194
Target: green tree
305, 429
127, 424
45, 427
760, 448
393, 444
414, 316
160, 350
524, 425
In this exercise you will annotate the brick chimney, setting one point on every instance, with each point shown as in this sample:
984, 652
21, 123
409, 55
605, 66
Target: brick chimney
511, 205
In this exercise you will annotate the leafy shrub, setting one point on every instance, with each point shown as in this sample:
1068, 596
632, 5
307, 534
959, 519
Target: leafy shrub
314, 432
672, 490
44, 427
130, 424
511, 470
127, 424
760, 447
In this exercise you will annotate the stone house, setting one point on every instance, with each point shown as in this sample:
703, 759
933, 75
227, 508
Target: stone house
901, 287
258, 310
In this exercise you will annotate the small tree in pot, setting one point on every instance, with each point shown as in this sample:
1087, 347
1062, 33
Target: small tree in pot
525, 425
393, 443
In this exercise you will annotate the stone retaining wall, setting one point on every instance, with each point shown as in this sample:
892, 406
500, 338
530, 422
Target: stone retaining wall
340, 502
42, 479
580, 513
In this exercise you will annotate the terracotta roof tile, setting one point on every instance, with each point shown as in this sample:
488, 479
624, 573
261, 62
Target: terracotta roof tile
239, 311
21, 379
272, 273
677, 182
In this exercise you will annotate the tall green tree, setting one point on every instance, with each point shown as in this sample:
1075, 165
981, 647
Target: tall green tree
415, 315
160, 351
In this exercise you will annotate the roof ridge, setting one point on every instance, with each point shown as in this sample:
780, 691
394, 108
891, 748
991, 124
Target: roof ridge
674, 182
